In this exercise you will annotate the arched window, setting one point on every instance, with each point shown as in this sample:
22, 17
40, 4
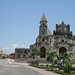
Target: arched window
43, 24
43, 40
62, 40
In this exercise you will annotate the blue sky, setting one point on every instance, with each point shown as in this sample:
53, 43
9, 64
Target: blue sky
19, 20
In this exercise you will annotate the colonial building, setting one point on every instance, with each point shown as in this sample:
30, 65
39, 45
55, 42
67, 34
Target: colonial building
61, 41
21, 53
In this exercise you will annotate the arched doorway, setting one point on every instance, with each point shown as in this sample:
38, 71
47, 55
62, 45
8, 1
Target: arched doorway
43, 51
62, 50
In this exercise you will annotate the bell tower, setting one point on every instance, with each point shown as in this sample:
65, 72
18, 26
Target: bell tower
43, 26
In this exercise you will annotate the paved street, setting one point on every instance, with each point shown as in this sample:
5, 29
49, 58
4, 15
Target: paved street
16, 70
9, 67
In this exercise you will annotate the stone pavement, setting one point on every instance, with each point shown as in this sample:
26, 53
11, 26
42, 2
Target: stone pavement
41, 71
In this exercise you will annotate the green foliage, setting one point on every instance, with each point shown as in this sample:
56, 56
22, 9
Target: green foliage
63, 56
55, 61
68, 66
73, 72
66, 56
57, 71
48, 68
36, 52
63, 73
50, 56
39, 66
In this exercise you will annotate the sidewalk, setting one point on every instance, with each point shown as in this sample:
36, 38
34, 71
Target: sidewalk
24, 64
41, 71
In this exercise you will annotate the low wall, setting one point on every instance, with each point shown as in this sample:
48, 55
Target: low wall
73, 61
41, 60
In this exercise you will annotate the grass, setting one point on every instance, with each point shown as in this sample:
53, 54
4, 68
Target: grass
55, 71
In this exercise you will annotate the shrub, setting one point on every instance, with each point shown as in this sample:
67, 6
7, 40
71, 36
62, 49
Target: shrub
57, 71
48, 68
67, 67
73, 72
55, 61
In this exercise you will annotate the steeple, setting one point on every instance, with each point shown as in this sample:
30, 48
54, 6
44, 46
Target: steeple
43, 19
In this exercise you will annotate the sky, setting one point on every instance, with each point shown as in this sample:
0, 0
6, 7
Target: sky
19, 20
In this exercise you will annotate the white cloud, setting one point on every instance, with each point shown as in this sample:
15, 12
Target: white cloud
22, 45
11, 49
6, 48
15, 45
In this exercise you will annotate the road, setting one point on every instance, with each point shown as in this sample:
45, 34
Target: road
7, 67
12, 69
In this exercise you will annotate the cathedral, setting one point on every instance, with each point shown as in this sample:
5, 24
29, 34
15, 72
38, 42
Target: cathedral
62, 40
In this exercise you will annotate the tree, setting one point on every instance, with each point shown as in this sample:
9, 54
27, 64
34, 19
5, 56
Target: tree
61, 57
50, 58
35, 52
68, 66
61, 60
66, 56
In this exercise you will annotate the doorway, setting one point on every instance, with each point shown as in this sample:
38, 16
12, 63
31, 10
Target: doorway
62, 50
43, 51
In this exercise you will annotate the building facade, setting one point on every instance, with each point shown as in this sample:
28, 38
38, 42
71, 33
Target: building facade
22, 53
61, 41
